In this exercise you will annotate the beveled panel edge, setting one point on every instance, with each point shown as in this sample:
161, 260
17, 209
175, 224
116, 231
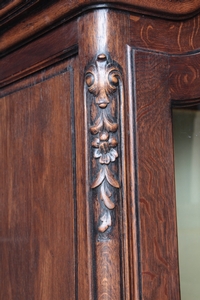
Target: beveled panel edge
184, 76
14, 9
34, 57
24, 79
29, 27
41, 65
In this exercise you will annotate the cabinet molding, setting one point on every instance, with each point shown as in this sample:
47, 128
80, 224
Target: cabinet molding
28, 26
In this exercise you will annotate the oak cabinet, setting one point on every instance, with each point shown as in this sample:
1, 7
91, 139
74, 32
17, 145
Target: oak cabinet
88, 208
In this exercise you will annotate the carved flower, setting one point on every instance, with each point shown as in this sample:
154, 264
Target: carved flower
104, 148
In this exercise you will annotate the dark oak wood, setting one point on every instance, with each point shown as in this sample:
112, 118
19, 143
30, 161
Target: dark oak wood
46, 15
155, 194
179, 37
9, 9
88, 208
39, 54
109, 250
38, 206
184, 77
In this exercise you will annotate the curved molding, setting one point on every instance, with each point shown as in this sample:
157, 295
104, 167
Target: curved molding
29, 27
104, 83
12, 8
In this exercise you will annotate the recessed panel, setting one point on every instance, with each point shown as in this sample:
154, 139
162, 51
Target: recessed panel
37, 191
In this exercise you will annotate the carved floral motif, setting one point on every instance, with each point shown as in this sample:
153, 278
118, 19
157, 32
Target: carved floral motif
103, 79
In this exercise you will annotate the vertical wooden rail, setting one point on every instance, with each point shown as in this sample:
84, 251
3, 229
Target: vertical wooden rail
102, 56
104, 94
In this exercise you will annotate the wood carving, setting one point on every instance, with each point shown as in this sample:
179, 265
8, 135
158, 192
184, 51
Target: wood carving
104, 82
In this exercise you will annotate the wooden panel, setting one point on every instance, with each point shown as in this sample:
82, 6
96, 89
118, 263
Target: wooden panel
60, 43
155, 181
37, 184
184, 77
11, 8
164, 35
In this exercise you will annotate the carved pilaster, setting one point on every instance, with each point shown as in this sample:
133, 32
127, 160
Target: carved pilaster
103, 60
104, 92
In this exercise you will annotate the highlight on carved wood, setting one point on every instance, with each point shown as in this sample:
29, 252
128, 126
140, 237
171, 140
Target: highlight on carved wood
104, 83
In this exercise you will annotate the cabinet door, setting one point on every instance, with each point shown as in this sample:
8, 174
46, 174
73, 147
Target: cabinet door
155, 198
163, 86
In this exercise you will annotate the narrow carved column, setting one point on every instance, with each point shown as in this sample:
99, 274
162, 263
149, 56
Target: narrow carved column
102, 55
103, 97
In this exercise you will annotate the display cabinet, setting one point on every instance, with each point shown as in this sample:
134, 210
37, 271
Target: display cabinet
87, 172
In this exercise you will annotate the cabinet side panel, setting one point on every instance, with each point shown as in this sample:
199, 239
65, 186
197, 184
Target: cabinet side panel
37, 190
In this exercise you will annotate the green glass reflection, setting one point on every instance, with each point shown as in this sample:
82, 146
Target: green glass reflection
186, 126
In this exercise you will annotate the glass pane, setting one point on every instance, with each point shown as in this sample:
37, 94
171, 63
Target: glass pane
186, 125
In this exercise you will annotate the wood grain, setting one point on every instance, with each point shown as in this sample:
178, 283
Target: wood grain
47, 14
51, 247
156, 196
84, 282
56, 45
165, 35
184, 78
11, 8
37, 191
109, 267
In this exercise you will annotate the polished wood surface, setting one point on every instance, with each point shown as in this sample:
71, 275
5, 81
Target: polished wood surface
156, 197
88, 208
45, 16
180, 37
38, 204
185, 77
108, 250
38, 54
10, 9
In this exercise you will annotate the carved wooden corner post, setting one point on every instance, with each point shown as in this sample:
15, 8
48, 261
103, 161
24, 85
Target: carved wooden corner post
104, 82
103, 95
103, 61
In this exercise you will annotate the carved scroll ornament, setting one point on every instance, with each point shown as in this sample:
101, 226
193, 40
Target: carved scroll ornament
104, 83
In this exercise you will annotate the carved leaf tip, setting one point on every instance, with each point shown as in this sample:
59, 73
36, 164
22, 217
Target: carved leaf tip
106, 198
111, 179
106, 222
109, 126
99, 179
97, 127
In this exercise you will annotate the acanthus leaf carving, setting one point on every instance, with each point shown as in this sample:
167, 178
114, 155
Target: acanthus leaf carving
98, 126
105, 196
109, 125
99, 179
106, 222
111, 179
104, 82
